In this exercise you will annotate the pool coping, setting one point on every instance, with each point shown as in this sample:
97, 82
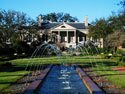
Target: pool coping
34, 85
92, 87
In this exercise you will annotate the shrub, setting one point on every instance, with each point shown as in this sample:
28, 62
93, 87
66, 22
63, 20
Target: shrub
120, 59
6, 51
21, 46
121, 64
106, 56
103, 50
123, 59
120, 52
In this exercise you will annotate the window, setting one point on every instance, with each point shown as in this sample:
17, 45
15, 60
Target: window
80, 38
62, 39
71, 39
63, 26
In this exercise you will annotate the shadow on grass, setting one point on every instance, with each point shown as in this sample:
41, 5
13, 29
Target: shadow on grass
118, 74
96, 64
13, 68
105, 71
11, 75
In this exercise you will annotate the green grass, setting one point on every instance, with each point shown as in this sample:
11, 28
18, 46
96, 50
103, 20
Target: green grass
6, 78
57, 60
117, 78
2, 62
2, 86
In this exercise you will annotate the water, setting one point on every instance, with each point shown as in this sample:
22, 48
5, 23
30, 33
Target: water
63, 80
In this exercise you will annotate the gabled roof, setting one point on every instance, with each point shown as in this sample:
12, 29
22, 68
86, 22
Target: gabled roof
77, 25
55, 24
64, 26
49, 25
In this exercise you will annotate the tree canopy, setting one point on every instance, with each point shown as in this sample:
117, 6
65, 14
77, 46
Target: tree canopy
112, 29
122, 4
17, 29
10, 24
58, 17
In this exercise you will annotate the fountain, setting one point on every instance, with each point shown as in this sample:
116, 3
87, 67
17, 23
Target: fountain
55, 79
62, 78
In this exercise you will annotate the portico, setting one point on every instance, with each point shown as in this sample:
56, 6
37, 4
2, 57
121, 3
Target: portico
66, 34
67, 37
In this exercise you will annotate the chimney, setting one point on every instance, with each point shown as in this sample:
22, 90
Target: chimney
39, 21
86, 21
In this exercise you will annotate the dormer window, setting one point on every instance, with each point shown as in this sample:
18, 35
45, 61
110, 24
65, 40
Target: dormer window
63, 26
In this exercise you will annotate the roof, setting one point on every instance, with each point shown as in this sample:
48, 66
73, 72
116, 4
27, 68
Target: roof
49, 25
73, 24
77, 25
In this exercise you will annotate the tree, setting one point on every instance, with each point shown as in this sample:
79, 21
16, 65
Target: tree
68, 18
122, 3
21, 46
58, 17
10, 24
114, 40
116, 22
99, 29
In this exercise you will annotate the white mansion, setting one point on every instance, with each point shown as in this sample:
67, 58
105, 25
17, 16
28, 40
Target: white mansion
65, 34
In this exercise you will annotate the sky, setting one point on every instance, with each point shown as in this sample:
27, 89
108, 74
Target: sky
94, 9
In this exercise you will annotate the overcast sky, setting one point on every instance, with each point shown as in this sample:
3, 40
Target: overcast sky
77, 8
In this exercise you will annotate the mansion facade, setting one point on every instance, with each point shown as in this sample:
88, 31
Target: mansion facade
65, 34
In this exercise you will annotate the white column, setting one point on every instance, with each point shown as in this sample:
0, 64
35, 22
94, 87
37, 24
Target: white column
101, 42
78, 39
75, 36
59, 36
83, 38
67, 37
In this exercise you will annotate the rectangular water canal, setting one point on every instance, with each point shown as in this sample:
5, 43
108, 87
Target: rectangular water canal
63, 80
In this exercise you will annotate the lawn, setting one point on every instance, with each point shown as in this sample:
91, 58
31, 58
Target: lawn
59, 60
116, 77
6, 78
18, 65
